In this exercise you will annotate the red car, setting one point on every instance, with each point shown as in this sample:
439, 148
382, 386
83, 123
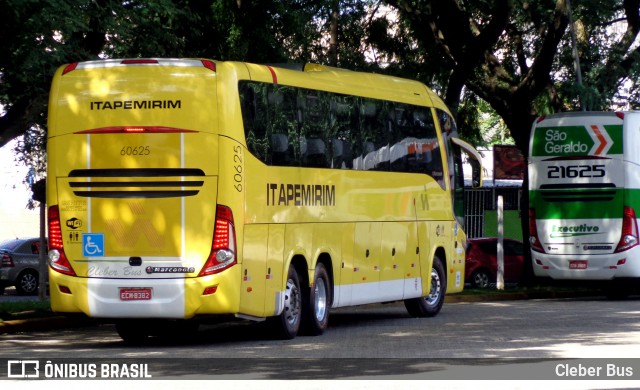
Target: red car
481, 268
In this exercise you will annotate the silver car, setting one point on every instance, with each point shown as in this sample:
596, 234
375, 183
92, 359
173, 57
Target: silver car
19, 259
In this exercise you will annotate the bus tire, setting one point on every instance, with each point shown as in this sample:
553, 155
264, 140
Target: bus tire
316, 306
133, 332
287, 324
430, 305
617, 293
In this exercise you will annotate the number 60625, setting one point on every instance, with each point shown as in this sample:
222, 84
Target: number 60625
135, 151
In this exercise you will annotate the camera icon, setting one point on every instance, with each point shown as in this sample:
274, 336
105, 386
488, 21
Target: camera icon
23, 369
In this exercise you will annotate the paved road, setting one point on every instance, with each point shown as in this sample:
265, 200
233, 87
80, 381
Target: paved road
562, 328
521, 338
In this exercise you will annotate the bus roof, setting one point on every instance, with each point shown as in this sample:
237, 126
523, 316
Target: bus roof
579, 114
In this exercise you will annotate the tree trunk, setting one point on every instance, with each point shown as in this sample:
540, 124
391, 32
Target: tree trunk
333, 39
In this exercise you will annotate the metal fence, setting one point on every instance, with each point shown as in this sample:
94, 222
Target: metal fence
478, 200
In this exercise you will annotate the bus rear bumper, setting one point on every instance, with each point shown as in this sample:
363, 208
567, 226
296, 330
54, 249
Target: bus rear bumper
171, 298
588, 267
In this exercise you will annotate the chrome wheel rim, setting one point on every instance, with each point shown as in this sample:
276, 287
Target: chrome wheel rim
292, 303
436, 288
28, 283
320, 303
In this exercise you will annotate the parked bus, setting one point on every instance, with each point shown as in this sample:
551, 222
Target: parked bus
181, 188
584, 190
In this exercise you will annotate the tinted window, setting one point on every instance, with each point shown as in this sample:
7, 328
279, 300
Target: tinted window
512, 248
489, 247
288, 126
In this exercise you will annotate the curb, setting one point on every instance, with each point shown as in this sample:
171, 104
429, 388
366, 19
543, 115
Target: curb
456, 298
44, 323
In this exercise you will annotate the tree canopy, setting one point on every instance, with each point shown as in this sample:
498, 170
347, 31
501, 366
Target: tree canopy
514, 55
39, 36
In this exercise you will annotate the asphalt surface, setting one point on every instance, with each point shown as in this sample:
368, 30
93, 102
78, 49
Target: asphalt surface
35, 321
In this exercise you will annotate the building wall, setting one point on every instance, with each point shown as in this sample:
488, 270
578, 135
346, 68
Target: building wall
15, 219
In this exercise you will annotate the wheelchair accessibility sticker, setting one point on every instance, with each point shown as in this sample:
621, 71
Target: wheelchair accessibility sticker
92, 244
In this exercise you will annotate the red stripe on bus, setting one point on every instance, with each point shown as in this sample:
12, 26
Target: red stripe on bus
273, 74
603, 141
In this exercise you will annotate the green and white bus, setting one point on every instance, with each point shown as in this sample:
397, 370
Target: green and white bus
584, 195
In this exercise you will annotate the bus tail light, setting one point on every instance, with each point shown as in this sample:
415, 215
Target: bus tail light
57, 258
134, 130
536, 245
223, 244
629, 236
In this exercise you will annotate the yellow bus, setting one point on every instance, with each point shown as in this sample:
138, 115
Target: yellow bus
185, 188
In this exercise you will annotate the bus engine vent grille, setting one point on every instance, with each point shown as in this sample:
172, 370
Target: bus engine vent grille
584, 192
137, 183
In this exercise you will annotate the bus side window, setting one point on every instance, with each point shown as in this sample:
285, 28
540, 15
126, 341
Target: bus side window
316, 153
287, 119
415, 146
337, 153
291, 126
375, 124
316, 128
342, 129
255, 132
279, 149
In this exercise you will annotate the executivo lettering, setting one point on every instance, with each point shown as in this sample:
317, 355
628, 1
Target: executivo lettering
301, 195
136, 105
558, 231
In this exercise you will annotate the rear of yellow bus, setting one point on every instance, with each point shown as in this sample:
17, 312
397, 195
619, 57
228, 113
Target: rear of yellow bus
136, 226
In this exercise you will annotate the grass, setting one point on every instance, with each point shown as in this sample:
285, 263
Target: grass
522, 289
24, 309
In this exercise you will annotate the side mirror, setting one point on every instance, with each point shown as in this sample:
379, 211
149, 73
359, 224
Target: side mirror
476, 173
474, 159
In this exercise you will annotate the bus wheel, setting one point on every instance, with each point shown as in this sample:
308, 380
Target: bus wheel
430, 305
316, 307
133, 332
616, 293
287, 324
